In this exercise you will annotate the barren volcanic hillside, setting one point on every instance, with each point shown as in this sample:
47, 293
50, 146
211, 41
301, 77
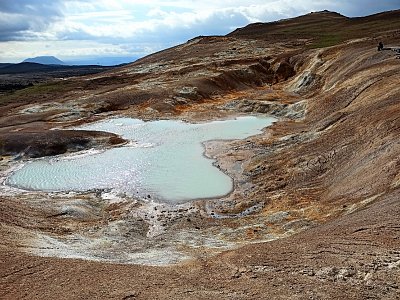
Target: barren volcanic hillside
314, 213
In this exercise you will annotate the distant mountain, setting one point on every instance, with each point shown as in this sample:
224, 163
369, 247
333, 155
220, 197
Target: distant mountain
45, 60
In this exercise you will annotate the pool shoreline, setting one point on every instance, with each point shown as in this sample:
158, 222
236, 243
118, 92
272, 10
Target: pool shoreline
213, 162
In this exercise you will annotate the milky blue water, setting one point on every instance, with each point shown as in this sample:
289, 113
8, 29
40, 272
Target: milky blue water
164, 160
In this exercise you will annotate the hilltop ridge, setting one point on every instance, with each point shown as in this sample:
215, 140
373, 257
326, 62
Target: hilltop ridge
322, 29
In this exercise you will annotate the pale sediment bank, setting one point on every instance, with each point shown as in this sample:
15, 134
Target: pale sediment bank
177, 231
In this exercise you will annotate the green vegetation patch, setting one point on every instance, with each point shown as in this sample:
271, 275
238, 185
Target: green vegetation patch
327, 41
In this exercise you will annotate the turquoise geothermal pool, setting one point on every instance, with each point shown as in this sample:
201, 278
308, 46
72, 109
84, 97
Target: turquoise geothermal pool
164, 160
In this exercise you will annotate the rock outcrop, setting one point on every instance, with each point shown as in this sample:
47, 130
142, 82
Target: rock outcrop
55, 142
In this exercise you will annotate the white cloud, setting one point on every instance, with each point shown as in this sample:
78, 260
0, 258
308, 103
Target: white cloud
16, 51
151, 24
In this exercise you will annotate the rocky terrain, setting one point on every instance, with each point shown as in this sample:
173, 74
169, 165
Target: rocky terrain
315, 210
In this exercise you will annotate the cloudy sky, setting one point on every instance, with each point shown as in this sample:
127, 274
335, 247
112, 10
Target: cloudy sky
90, 29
